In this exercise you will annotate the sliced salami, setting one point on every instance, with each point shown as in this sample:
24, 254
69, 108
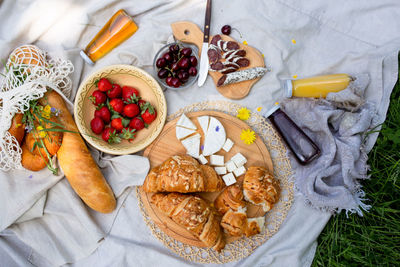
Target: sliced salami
217, 66
213, 55
215, 39
241, 61
234, 53
240, 76
231, 45
231, 65
228, 70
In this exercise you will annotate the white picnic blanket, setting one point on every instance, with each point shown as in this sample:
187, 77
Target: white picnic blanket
44, 224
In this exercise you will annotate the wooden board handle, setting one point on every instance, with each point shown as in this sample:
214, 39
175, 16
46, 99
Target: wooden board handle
188, 32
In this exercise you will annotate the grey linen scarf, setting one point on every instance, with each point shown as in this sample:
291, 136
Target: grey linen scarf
338, 125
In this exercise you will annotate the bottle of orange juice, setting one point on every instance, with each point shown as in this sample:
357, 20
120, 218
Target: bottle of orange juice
319, 86
119, 28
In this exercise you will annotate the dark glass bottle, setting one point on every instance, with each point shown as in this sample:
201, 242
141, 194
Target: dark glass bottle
303, 148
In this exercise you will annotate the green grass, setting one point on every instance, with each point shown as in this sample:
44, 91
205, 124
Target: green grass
372, 240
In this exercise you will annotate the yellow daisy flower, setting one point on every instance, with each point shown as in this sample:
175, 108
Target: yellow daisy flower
46, 112
42, 134
248, 136
245, 42
243, 114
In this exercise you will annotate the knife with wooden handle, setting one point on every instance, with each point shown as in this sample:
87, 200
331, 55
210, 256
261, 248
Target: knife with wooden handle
203, 72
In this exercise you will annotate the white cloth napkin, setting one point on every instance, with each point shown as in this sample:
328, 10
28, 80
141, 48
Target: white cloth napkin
331, 37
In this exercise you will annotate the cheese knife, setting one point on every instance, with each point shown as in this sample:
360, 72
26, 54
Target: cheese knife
203, 72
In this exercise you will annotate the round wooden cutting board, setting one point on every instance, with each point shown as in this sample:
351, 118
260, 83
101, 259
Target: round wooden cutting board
189, 32
167, 145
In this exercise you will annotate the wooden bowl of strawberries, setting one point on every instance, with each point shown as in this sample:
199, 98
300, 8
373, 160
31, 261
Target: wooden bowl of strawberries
120, 109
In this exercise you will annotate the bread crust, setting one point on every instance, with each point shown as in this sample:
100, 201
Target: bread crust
260, 187
183, 174
194, 214
77, 163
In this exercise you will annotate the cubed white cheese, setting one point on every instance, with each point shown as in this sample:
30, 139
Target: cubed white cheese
203, 159
228, 145
239, 171
217, 160
229, 179
230, 166
239, 160
220, 170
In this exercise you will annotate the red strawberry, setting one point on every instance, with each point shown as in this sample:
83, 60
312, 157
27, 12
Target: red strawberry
104, 114
137, 124
130, 94
131, 110
149, 113
97, 125
128, 134
115, 91
98, 97
104, 85
119, 123
110, 135
116, 104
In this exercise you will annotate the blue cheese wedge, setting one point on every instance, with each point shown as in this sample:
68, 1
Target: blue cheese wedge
215, 137
185, 122
217, 160
204, 121
229, 179
220, 170
192, 145
239, 159
183, 132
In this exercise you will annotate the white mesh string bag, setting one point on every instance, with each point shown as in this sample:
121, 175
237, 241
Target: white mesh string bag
27, 74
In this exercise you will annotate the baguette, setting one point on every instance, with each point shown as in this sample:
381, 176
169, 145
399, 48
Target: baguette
77, 163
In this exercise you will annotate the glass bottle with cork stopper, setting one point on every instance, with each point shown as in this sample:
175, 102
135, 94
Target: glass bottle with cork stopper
119, 28
303, 148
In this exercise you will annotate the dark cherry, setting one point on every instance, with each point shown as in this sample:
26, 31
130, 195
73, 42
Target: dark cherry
169, 80
226, 29
187, 51
161, 62
163, 73
175, 82
174, 49
183, 76
184, 63
168, 57
192, 71
193, 61
175, 66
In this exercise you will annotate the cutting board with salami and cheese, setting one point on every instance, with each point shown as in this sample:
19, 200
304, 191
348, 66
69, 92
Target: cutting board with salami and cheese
234, 67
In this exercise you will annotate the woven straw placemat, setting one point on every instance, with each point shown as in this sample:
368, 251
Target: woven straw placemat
243, 247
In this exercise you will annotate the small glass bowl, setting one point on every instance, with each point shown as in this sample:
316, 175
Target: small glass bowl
191, 80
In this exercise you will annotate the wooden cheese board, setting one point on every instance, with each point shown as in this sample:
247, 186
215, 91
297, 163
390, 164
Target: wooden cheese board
189, 32
167, 145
